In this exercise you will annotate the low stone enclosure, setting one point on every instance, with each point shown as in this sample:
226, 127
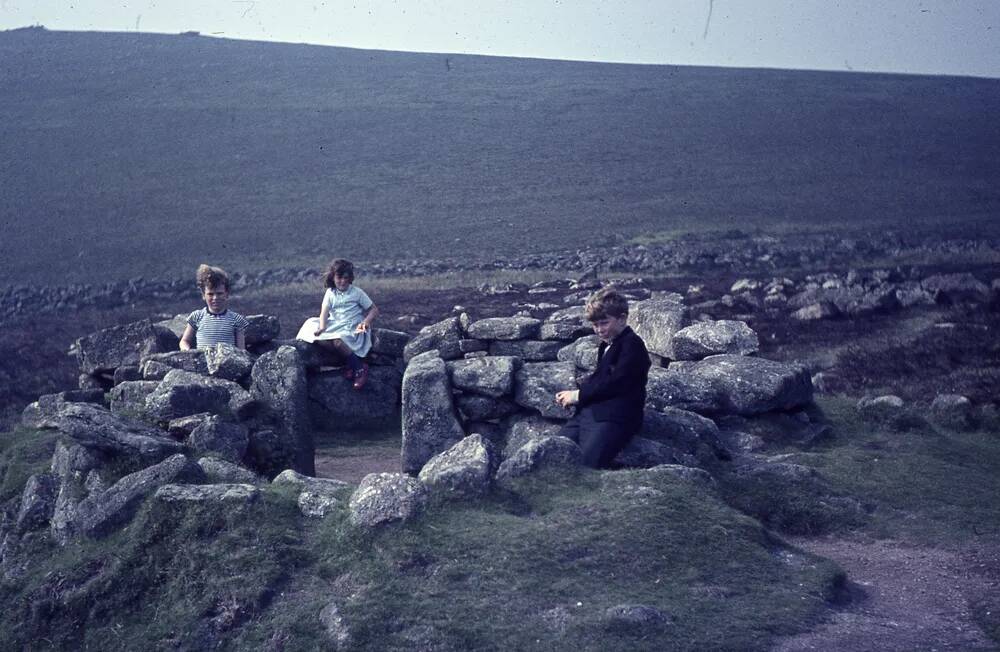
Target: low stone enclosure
475, 399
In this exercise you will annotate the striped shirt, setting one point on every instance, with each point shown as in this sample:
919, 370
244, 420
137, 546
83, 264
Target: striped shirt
211, 329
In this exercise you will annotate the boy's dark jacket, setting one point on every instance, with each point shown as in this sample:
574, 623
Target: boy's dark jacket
616, 391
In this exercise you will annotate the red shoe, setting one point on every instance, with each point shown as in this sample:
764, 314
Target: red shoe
348, 373
361, 377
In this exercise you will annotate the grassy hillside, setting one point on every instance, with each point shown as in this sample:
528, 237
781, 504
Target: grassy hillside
138, 154
535, 567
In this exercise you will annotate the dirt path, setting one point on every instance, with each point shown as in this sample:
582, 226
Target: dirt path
353, 465
907, 598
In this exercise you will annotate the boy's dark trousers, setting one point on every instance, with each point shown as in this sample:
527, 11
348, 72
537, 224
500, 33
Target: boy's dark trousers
600, 441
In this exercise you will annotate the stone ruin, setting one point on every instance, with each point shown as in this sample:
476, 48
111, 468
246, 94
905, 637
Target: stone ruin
475, 398
194, 425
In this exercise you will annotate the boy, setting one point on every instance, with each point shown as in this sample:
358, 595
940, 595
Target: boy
610, 401
214, 323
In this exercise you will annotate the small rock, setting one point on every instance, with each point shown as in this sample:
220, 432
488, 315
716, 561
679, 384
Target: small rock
387, 497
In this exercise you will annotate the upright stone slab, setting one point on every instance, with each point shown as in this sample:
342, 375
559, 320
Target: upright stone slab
656, 320
430, 425
279, 384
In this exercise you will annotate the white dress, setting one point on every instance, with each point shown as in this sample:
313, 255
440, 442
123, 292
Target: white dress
345, 310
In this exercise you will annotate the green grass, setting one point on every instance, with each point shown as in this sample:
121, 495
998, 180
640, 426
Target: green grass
534, 567
472, 575
23, 452
920, 484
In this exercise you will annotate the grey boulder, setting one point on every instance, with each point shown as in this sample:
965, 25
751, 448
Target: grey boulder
462, 470
48, 405
474, 407
389, 342
95, 427
528, 350
582, 353
536, 385
505, 328
230, 494
98, 514
228, 363
261, 329
38, 501
128, 398
221, 471
218, 438
956, 288
385, 498
539, 454
953, 412
566, 325
521, 430
656, 320
731, 384
183, 393
444, 336
490, 375
706, 338
158, 365
118, 346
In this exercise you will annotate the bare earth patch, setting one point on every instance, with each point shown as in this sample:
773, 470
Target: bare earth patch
906, 597
353, 465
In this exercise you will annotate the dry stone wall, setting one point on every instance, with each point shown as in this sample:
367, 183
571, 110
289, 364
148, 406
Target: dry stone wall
496, 379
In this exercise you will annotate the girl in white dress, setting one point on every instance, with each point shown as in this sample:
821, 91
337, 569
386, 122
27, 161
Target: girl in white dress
344, 323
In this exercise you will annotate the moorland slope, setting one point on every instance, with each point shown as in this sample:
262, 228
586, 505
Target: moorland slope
126, 154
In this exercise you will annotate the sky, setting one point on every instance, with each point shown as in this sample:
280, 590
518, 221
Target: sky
953, 37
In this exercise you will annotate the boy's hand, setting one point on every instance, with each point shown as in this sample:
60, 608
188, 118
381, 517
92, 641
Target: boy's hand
318, 332
568, 398
361, 328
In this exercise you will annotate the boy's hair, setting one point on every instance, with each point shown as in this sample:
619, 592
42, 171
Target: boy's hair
339, 267
605, 303
210, 277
